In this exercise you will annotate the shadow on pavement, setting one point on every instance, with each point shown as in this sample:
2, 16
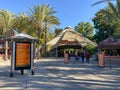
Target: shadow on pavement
53, 74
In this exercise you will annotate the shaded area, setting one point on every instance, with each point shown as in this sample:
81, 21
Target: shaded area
52, 73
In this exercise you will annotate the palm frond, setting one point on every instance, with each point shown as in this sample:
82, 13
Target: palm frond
113, 8
118, 6
101, 1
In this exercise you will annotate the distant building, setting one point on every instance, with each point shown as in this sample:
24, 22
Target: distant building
2, 42
110, 46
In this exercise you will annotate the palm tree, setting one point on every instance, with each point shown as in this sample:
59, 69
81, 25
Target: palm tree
58, 31
7, 22
115, 9
113, 13
40, 16
101, 1
50, 21
22, 22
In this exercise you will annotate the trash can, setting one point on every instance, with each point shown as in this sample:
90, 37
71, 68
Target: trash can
101, 60
66, 57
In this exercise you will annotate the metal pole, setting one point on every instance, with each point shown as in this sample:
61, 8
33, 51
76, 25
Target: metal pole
13, 58
32, 58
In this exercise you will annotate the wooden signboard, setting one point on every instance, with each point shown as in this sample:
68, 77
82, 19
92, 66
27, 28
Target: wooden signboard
65, 42
22, 55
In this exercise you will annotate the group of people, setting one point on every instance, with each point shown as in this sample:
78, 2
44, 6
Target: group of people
83, 55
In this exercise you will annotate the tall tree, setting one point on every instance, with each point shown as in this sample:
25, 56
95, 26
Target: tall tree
7, 22
58, 31
50, 35
113, 13
42, 16
38, 15
103, 25
50, 21
86, 29
23, 22
101, 1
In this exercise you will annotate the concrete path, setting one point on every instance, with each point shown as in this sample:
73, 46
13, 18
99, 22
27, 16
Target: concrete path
53, 74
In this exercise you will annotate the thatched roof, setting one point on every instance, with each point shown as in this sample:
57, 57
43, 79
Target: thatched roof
69, 37
110, 42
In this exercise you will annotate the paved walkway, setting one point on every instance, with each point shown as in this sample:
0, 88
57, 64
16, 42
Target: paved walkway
53, 74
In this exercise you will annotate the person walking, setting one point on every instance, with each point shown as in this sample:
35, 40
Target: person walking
82, 56
87, 55
76, 56
69, 55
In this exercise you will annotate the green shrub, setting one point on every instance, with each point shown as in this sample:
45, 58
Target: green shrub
91, 49
45, 54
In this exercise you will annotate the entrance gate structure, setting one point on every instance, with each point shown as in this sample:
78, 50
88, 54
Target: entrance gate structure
110, 48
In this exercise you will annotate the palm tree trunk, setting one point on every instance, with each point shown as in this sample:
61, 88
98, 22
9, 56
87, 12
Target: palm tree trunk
45, 36
6, 50
39, 34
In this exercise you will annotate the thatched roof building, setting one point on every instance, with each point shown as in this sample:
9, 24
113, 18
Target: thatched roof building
111, 46
110, 42
69, 38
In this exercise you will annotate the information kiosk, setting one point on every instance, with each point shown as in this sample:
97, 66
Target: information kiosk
22, 53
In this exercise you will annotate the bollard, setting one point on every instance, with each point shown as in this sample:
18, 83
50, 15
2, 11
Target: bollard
66, 57
101, 60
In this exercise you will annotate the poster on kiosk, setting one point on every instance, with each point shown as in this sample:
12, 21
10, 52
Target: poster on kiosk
22, 55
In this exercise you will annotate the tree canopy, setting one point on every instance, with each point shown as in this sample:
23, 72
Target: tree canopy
106, 21
86, 29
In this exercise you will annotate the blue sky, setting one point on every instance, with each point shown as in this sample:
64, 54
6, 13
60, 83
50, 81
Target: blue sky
69, 12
